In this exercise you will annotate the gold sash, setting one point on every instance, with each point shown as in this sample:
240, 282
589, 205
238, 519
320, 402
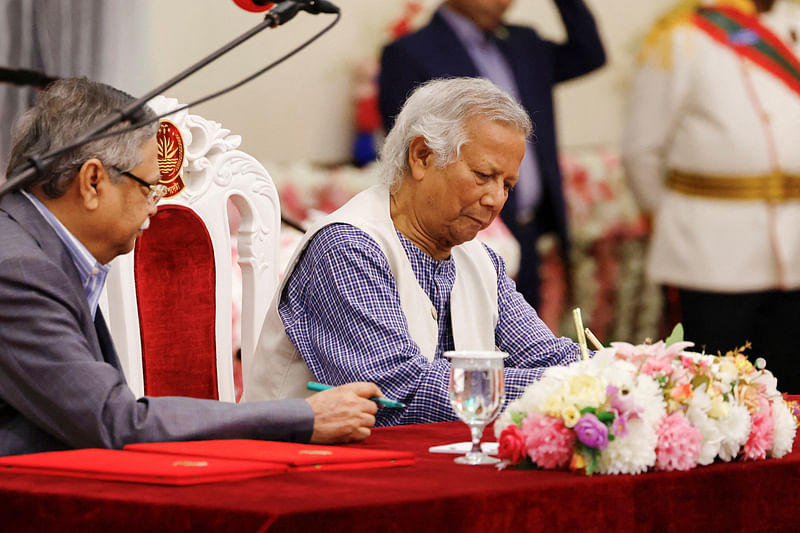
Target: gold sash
775, 187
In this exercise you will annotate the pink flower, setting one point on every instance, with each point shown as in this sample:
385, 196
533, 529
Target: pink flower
678, 446
622, 402
761, 432
624, 350
511, 445
655, 366
549, 442
682, 393
620, 425
642, 352
675, 348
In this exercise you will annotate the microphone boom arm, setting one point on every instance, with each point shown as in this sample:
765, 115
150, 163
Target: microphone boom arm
23, 175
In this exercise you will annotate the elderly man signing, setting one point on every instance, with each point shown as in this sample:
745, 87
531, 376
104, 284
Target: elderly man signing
379, 289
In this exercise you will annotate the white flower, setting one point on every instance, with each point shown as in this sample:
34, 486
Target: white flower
769, 381
718, 409
632, 454
502, 422
537, 395
724, 424
735, 429
635, 452
584, 391
621, 374
648, 395
726, 372
697, 413
784, 429
505, 419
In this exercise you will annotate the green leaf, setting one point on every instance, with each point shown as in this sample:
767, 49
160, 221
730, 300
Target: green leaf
588, 410
517, 417
527, 464
605, 417
676, 335
592, 465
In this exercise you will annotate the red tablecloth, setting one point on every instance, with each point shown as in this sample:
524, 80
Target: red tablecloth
433, 495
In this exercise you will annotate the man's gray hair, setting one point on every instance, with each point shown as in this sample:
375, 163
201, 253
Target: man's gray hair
66, 109
438, 110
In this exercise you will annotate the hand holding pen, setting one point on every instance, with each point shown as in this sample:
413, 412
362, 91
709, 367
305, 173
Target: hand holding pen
385, 402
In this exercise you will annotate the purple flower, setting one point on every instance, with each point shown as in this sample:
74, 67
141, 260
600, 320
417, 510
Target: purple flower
591, 432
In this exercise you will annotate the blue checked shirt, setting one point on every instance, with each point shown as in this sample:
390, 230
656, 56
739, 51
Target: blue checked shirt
341, 309
92, 273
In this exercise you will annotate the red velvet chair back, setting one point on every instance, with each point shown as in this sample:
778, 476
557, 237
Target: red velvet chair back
175, 278
169, 302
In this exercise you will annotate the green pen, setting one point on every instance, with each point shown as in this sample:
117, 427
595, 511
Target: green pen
386, 402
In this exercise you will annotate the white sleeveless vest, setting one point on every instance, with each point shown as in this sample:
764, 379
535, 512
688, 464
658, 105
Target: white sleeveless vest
278, 371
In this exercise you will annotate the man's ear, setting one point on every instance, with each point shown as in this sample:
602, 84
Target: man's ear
92, 180
420, 157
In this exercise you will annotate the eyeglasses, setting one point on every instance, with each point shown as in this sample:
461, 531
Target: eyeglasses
156, 191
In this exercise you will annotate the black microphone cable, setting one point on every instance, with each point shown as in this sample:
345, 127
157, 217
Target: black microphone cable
41, 162
229, 88
206, 98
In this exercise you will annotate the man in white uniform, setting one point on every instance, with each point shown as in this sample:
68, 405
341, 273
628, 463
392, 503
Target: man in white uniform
712, 149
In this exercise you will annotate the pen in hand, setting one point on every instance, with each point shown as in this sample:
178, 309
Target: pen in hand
380, 400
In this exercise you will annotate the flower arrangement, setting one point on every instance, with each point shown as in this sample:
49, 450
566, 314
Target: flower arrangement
631, 409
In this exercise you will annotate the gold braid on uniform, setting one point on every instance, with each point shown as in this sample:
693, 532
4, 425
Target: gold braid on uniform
657, 45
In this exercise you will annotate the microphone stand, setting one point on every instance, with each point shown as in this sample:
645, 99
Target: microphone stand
276, 16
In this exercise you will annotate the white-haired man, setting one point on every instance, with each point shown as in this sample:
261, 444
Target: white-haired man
382, 287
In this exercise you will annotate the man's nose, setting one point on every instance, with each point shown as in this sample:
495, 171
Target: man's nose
496, 194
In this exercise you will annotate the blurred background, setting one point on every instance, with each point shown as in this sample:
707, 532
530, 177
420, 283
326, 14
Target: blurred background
304, 108
301, 119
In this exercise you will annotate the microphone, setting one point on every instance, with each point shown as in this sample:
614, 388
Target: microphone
254, 6
314, 7
22, 77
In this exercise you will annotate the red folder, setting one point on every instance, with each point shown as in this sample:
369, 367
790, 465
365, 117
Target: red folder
119, 465
300, 457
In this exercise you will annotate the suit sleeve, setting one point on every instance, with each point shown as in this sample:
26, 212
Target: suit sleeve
658, 95
56, 385
583, 51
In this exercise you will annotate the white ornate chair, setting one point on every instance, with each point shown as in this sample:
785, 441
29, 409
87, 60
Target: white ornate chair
169, 302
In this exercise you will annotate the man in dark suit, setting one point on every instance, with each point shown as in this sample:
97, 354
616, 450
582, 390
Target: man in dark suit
61, 385
468, 38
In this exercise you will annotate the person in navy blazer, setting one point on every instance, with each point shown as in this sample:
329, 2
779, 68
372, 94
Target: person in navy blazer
537, 64
61, 383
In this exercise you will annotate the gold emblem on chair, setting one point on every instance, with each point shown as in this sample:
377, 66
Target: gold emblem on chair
170, 157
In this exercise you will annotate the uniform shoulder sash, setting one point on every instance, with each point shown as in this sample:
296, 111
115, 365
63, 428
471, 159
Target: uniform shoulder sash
745, 35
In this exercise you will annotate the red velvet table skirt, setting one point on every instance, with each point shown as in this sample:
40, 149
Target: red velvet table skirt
434, 495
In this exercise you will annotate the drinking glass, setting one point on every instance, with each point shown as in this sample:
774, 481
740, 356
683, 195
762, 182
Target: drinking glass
477, 391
